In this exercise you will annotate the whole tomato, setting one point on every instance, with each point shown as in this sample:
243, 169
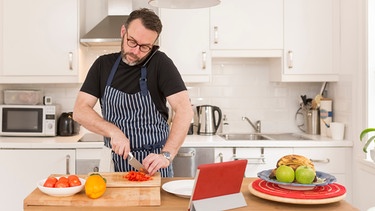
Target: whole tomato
63, 182
74, 180
50, 182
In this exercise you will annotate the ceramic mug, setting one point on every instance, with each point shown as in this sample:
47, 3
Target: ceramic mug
337, 130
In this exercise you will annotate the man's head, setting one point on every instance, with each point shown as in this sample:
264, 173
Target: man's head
139, 34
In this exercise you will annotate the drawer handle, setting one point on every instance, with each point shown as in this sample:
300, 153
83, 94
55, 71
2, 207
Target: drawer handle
204, 60
260, 160
221, 156
186, 154
67, 159
320, 161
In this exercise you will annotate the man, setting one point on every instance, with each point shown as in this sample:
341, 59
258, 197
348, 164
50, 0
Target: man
133, 87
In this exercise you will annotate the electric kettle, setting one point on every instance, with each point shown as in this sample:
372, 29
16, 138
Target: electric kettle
208, 122
67, 126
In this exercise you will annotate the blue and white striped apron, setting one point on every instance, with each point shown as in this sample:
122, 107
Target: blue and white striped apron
136, 115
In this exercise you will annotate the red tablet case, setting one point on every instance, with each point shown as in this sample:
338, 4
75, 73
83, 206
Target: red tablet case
218, 179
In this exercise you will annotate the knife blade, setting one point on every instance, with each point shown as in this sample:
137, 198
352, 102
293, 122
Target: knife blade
136, 164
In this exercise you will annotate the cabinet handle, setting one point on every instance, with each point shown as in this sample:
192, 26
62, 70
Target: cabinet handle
67, 159
70, 55
259, 160
221, 156
216, 35
320, 161
204, 59
186, 154
290, 59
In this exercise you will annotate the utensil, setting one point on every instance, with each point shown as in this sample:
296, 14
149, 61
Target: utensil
136, 164
208, 122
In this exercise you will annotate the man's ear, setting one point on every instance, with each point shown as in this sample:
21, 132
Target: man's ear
123, 30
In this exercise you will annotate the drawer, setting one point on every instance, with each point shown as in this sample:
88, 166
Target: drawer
329, 160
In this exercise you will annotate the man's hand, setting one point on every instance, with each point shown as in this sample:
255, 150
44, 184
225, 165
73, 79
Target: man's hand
120, 144
154, 162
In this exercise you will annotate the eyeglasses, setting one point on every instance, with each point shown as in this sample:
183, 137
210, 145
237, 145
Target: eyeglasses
142, 47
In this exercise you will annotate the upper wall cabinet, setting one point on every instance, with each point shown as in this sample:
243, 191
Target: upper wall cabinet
185, 39
39, 41
242, 25
311, 41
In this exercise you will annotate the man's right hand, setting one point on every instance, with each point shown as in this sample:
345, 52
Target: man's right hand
120, 144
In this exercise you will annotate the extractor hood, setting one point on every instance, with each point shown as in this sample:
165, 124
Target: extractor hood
107, 32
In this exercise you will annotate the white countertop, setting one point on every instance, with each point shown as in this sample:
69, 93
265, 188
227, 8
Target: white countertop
65, 142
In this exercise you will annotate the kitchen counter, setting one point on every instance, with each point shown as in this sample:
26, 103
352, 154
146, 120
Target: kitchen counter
36, 201
64, 142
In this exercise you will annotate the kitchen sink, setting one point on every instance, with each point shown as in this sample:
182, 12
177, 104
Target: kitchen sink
242, 136
286, 136
262, 136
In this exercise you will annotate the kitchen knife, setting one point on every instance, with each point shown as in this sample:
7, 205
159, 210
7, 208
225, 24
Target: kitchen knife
136, 164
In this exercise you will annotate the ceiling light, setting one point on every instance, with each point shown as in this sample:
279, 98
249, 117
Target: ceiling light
183, 4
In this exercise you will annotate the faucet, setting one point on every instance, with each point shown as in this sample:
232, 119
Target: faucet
257, 126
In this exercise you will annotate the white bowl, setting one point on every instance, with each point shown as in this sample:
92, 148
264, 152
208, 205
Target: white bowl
60, 191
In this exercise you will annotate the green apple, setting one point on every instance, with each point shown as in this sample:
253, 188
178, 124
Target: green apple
284, 174
305, 175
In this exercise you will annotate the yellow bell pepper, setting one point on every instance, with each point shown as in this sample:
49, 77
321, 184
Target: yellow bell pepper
95, 186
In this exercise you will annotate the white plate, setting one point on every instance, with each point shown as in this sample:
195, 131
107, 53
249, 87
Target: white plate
60, 191
181, 188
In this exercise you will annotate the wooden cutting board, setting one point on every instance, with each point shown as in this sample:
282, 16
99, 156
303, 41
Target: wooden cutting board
119, 193
116, 179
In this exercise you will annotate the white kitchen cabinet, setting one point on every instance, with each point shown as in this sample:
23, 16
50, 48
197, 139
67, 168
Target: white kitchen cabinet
39, 41
21, 169
246, 25
334, 161
260, 158
185, 39
311, 42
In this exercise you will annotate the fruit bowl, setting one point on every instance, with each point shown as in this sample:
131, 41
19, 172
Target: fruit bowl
69, 191
322, 179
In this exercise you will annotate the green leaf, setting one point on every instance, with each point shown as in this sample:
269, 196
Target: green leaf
365, 131
368, 142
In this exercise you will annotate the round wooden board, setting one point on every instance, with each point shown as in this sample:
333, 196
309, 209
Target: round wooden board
292, 200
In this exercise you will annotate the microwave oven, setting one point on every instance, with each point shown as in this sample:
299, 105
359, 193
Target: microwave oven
28, 120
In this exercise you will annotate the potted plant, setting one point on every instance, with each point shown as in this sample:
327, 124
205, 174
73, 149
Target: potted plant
368, 142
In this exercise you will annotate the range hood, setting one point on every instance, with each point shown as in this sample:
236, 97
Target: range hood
107, 32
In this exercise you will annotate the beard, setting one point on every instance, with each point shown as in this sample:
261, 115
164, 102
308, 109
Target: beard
124, 54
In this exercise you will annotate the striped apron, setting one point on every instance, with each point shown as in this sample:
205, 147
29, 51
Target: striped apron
136, 115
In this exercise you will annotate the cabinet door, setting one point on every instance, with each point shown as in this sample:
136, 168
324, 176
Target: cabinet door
22, 169
185, 39
335, 161
310, 36
40, 38
247, 24
260, 159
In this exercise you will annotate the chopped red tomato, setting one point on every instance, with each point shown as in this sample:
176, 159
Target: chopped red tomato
137, 176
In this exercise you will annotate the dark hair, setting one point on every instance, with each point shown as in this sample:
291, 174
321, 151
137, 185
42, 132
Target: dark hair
148, 17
